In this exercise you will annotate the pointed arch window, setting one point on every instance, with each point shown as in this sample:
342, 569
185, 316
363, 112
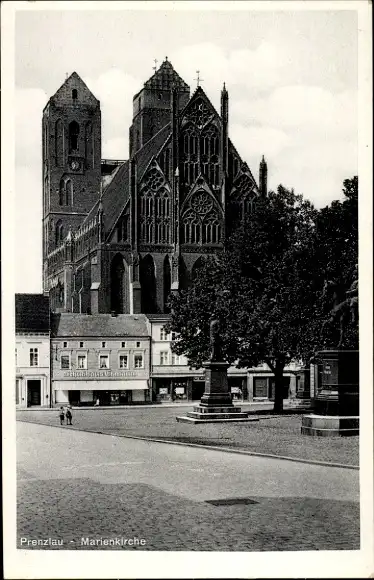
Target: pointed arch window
73, 136
209, 155
59, 233
89, 145
69, 192
59, 143
74, 94
155, 208
61, 193
66, 191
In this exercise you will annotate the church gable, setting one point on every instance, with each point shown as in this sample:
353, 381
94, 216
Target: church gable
74, 91
244, 193
200, 137
199, 111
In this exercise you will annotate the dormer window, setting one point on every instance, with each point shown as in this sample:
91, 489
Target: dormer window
74, 94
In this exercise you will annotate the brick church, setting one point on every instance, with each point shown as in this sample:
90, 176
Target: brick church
119, 236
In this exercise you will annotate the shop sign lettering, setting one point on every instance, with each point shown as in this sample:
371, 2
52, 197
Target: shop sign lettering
100, 374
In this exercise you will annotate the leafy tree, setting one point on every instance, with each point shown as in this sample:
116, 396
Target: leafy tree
334, 248
266, 287
254, 289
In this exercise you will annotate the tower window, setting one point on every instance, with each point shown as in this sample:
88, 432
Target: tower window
69, 192
59, 233
73, 136
74, 94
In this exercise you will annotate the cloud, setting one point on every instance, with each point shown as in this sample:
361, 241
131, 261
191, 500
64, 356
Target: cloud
29, 104
115, 89
28, 229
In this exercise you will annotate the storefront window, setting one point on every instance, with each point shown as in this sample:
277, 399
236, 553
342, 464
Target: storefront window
65, 361
104, 361
138, 361
123, 361
180, 390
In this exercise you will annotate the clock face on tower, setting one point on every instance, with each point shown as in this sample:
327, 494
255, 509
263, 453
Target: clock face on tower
75, 165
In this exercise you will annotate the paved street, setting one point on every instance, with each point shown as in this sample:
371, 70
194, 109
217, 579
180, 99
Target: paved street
74, 485
276, 435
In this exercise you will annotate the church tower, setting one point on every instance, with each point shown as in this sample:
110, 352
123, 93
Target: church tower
71, 161
152, 105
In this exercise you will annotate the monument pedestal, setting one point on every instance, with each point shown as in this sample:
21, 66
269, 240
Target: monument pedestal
336, 404
216, 404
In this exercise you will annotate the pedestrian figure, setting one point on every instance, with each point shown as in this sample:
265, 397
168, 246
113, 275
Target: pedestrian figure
69, 416
62, 416
97, 402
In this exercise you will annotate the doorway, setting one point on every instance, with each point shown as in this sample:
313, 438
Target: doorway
34, 393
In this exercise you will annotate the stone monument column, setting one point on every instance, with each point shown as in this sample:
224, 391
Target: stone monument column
216, 405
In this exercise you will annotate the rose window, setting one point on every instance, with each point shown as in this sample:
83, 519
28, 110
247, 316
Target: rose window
201, 203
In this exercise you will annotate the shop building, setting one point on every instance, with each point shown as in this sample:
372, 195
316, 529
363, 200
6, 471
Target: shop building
173, 380
32, 388
100, 359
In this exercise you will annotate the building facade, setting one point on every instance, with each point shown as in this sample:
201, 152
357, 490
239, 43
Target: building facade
100, 359
173, 379
121, 235
32, 388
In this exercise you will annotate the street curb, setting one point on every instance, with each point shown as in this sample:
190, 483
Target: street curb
210, 447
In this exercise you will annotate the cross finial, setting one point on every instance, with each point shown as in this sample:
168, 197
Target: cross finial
155, 67
198, 79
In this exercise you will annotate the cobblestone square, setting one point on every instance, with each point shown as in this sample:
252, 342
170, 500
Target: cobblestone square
76, 487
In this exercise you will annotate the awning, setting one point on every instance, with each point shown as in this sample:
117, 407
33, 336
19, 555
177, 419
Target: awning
97, 385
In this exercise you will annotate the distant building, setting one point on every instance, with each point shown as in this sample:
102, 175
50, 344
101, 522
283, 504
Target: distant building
32, 351
100, 359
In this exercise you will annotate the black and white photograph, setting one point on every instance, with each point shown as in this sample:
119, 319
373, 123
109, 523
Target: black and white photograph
187, 289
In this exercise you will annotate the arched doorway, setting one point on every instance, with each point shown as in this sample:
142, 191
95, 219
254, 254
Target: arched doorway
148, 285
118, 289
167, 283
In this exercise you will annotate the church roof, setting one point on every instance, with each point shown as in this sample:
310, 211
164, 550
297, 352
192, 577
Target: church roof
151, 149
165, 78
63, 96
98, 325
32, 313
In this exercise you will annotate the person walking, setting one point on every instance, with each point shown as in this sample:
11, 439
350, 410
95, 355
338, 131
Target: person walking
69, 416
62, 416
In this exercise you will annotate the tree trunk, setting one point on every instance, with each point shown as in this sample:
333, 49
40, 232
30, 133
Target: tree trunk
278, 394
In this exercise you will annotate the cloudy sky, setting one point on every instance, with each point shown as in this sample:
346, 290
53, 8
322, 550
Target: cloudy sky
291, 77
